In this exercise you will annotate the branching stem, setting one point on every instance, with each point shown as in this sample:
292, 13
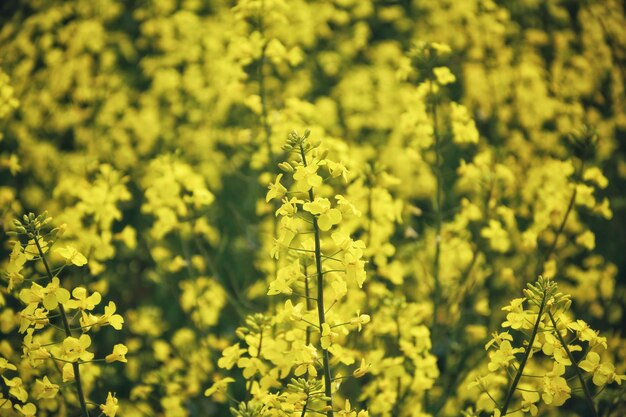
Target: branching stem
320, 299
579, 374
68, 333
520, 370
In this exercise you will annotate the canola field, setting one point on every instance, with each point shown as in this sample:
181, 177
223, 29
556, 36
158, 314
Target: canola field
300, 208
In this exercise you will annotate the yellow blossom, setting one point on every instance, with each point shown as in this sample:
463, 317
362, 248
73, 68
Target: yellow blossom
444, 75
118, 354
276, 190
219, 386
72, 256
110, 407
326, 216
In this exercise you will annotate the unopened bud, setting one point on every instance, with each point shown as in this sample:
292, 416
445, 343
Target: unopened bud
286, 166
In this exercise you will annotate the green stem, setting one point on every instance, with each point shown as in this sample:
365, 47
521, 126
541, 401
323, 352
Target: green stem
438, 227
579, 374
320, 300
304, 407
68, 333
522, 364
258, 355
267, 129
308, 308
559, 231
437, 205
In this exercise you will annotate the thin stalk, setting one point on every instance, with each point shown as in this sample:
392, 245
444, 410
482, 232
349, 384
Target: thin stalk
267, 129
304, 407
370, 215
520, 370
437, 205
399, 398
308, 308
68, 333
559, 231
579, 374
438, 226
258, 355
235, 301
320, 300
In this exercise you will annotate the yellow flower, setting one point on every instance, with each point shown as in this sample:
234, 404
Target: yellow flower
360, 320
285, 277
109, 317
289, 207
593, 174
444, 75
502, 357
74, 349
603, 373
109, 408
230, 356
251, 366
276, 190
81, 300
347, 410
287, 230
337, 169
327, 336
55, 295
292, 312
45, 389
5, 364
119, 354
497, 236
326, 216
31, 314
587, 240
517, 318
219, 386
72, 256
16, 388
362, 369
355, 267
587, 334
33, 295
28, 410
307, 177
33, 350
528, 402
346, 206
555, 390
68, 372
441, 48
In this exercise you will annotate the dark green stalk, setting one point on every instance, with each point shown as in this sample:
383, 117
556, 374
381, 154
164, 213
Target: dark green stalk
559, 231
579, 374
304, 407
320, 300
520, 370
258, 355
438, 225
68, 333
437, 206
267, 129
308, 303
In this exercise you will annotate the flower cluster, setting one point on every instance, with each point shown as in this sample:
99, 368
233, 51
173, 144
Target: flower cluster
319, 263
468, 147
65, 346
544, 365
